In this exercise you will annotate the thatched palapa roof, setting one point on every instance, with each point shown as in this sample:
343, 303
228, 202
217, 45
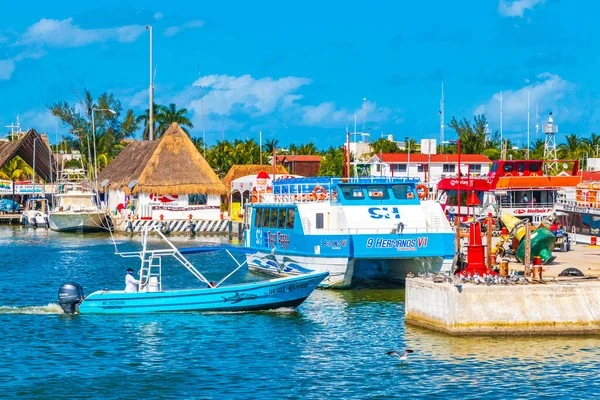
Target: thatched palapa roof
45, 163
169, 165
239, 170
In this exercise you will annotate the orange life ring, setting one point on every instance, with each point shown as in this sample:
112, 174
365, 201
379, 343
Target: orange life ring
533, 174
508, 174
319, 193
422, 191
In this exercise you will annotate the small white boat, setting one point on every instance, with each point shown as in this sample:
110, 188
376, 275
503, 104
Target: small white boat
76, 206
76, 211
35, 213
211, 296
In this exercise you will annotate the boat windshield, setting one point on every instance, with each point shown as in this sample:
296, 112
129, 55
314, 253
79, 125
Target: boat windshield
76, 202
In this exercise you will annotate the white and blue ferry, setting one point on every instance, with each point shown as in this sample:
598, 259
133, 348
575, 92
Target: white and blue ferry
372, 228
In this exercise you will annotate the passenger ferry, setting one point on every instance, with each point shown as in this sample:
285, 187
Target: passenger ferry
371, 228
581, 207
519, 187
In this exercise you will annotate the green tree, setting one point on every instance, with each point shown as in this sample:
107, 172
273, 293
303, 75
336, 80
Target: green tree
472, 137
593, 145
384, 146
169, 114
270, 145
308, 149
144, 119
221, 157
111, 129
573, 148
15, 170
332, 162
536, 150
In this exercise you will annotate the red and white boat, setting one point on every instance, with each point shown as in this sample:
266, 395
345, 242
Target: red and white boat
520, 187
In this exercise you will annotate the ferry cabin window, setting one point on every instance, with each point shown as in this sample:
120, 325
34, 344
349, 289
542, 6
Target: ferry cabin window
290, 218
520, 167
319, 221
353, 192
265, 218
475, 168
258, 217
377, 192
281, 220
494, 167
534, 167
273, 218
508, 167
197, 199
401, 191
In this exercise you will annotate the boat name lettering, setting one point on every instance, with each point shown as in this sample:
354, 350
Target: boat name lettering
279, 289
384, 212
334, 244
297, 286
282, 239
521, 211
398, 244
113, 303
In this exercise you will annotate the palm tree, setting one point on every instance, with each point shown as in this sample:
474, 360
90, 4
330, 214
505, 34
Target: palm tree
169, 114
15, 170
572, 148
593, 144
308, 149
536, 151
221, 157
270, 145
145, 119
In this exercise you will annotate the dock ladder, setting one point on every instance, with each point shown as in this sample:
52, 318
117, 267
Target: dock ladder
151, 274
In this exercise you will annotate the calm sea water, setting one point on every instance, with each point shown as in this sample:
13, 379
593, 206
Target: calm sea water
332, 346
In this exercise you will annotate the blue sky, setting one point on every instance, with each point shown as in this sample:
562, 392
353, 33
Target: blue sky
299, 71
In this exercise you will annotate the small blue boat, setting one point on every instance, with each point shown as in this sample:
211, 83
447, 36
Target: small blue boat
252, 296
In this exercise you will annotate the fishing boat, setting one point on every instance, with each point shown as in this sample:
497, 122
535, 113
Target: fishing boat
76, 207
211, 296
521, 188
367, 228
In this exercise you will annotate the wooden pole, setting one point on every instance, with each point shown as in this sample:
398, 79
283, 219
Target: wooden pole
489, 243
527, 259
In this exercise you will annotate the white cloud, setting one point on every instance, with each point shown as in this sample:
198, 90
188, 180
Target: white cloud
516, 8
550, 91
174, 30
256, 96
328, 115
7, 68
62, 33
158, 16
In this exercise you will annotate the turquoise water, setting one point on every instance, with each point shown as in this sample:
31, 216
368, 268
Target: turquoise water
332, 346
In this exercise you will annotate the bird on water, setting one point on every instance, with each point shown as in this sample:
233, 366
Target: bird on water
401, 356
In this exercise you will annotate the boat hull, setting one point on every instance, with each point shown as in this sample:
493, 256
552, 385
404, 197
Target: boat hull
78, 222
264, 295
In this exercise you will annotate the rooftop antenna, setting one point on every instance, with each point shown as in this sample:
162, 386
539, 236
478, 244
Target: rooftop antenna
364, 108
550, 129
537, 120
14, 134
501, 122
354, 127
441, 112
528, 125
202, 107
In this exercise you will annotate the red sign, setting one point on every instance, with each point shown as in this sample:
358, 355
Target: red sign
521, 211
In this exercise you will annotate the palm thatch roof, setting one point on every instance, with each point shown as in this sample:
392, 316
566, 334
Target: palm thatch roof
239, 170
45, 163
170, 165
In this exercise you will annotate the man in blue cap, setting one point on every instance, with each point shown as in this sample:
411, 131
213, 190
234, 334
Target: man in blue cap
131, 284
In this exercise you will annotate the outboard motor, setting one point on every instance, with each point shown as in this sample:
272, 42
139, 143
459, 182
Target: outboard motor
70, 295
46, 223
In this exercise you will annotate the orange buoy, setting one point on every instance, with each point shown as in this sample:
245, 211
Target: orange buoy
422, 191
319, 193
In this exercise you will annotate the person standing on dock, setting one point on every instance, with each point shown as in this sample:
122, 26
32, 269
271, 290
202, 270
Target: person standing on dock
131, 284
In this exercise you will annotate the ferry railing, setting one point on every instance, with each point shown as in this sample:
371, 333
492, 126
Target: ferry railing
579, 203
388, 231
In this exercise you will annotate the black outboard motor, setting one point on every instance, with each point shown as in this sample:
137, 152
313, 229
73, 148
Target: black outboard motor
70, 295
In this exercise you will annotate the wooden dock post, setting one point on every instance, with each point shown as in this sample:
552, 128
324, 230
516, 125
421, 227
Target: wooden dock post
527, 259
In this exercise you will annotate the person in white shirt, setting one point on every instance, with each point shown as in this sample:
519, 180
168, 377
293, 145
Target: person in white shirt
131, 284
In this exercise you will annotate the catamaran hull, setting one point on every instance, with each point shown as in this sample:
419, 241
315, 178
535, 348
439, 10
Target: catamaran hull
340, 273
78, 222
342, 270
264, 295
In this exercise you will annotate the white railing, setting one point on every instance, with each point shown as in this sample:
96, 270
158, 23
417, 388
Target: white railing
385, 231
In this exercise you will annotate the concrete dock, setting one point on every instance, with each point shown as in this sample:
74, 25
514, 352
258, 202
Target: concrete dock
553, 306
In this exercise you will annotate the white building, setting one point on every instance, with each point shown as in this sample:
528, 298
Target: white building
429, 168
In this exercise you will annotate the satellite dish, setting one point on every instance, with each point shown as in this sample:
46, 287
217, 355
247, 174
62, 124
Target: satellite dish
565, 165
